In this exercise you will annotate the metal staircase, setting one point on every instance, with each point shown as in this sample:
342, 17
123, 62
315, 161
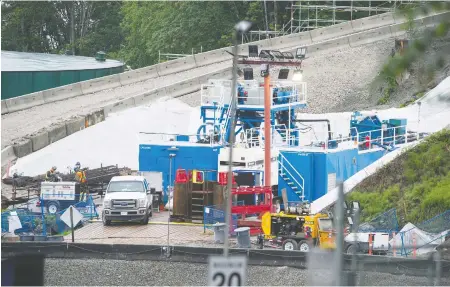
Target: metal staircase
291, 176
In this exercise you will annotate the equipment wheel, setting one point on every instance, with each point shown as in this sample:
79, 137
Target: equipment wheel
53, 207
304, 246
105, 221
352, 248
289, 244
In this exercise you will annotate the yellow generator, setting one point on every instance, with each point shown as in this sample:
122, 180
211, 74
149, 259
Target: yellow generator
293, 231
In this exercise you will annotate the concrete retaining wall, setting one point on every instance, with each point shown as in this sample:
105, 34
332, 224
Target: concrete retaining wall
24, 148
57, 133
62, 93
118, 106
24, 102
100, 84
75, 126
40, 141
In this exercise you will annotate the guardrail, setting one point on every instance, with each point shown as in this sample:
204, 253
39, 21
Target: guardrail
318, 39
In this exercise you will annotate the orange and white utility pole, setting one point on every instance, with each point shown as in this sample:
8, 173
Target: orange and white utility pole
267, 132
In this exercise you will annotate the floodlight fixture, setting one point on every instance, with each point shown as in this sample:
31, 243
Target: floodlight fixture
301, 53
297, 76
253, 51
265, 54
264, 70
248, 73
243, 26
283, 74
288, 55
277, 54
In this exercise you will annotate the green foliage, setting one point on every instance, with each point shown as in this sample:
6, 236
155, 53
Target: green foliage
417, 184
45, 26
418, 47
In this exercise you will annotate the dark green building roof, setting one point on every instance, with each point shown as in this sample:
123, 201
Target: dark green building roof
24, 73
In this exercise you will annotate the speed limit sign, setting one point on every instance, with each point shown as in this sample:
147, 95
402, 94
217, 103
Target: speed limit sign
227, 271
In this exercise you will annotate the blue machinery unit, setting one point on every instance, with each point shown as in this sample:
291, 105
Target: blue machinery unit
215, 111
306, 173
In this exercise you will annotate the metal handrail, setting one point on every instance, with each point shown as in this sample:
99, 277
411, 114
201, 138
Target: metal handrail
302, 186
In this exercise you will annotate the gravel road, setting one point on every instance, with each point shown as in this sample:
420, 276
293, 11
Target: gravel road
90, 272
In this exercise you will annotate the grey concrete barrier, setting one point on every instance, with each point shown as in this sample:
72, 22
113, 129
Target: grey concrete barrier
62, 93
373, 22
370, 36
118, 106
99, 84
398, 30
212, 57
94, 118
147, 97
57, 133
176, 66
8, 155
297, 39
24, 102
221, 74
138, 75
40, 141
76, 125
23, 148
183, 87
338, 30
326, 45
4, 108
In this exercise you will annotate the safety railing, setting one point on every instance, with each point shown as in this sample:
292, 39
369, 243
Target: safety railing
219, 93
209, 136
295, 176
378, 139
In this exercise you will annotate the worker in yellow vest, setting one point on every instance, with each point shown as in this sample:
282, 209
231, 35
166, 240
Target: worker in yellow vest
80, 177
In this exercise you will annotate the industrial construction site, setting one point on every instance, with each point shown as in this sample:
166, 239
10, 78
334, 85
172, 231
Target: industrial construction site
254, 150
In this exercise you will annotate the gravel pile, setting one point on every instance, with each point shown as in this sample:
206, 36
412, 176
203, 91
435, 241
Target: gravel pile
90, 272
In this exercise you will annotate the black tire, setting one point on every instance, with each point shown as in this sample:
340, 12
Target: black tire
105, 221
352, 248
53, 207
144, 221
304, 246
290, 244
150, 214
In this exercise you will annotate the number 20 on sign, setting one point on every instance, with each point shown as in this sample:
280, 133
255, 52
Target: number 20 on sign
227, 271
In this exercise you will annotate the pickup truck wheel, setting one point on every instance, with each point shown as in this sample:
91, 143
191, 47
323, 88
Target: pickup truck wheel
151, 213
144, 220
105, 221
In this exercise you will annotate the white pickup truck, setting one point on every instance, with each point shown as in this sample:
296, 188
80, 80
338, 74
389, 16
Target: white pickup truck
127, 198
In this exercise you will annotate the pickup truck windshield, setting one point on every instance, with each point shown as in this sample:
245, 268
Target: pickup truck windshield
126, 186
